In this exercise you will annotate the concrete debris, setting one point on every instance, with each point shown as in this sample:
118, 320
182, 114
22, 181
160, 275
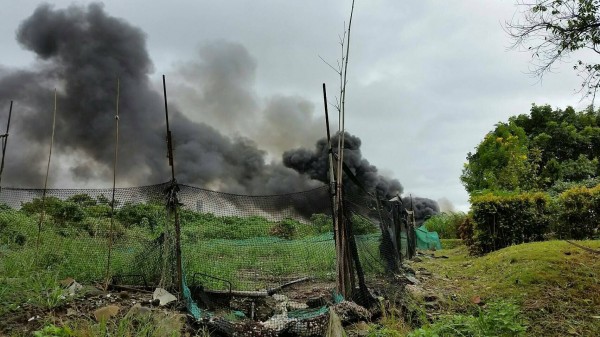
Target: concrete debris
74, 288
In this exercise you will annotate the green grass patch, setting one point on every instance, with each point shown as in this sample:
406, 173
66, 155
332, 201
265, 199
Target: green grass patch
451, 243
556, 285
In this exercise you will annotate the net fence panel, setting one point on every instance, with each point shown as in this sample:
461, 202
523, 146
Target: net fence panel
228, 242
378, 229
255, 242
76, 231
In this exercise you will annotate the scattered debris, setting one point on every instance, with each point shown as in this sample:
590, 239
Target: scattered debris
107, 312
351, 312
164, 297
74, 288
138, 310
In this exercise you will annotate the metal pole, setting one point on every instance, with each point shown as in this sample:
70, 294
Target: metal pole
4, 142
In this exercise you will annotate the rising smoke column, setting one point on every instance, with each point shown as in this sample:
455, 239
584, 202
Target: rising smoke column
314, 163
424, 208
81, 51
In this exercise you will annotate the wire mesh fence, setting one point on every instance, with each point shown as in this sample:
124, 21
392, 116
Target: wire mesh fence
231, 245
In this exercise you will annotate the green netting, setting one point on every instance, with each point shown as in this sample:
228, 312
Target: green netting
427, 240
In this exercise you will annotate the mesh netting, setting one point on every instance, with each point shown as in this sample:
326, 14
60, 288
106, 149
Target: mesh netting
268, 259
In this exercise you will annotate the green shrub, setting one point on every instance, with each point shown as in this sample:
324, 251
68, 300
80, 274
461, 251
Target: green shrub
68, 212
362, 225
145, 215
503, 220
322, 222
101, 227
52, 206
445, 224
577, 213
285, 229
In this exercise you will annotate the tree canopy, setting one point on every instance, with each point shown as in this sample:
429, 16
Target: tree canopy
537, 151
554, 29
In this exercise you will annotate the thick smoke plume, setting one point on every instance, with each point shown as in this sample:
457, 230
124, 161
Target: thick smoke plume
424, 208
218, 89
83, 51
314, 163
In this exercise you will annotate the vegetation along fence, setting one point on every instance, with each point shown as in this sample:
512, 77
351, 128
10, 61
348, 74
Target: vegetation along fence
228, 242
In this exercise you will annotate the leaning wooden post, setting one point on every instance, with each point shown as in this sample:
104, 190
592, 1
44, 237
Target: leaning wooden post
4, 142
173, 202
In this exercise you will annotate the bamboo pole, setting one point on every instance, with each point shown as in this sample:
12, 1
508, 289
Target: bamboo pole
343, 258
47, 173
112, 204
332, 183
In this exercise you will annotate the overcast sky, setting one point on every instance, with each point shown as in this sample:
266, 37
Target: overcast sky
427, 79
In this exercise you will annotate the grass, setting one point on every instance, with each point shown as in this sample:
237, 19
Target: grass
155, 324
245, 251
556, 285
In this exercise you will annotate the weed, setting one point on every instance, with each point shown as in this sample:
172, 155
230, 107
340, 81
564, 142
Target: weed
53, 331
501, 319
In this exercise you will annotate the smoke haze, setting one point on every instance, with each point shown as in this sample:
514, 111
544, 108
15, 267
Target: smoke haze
81, 51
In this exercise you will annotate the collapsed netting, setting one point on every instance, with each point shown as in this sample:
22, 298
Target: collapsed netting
229, 243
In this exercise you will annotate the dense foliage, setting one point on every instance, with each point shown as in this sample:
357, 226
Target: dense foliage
536, 151
533, 177
445, 224
500, 220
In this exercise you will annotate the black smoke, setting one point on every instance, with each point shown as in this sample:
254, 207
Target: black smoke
314, 163
424, 208
82, 51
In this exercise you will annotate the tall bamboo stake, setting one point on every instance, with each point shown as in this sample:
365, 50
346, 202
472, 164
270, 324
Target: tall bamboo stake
332, 187
344, 262
4, 142
112, 204
47, 172
175, 206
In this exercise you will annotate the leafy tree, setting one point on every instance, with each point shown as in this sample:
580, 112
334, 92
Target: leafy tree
500, 161
536, 151
554, 29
